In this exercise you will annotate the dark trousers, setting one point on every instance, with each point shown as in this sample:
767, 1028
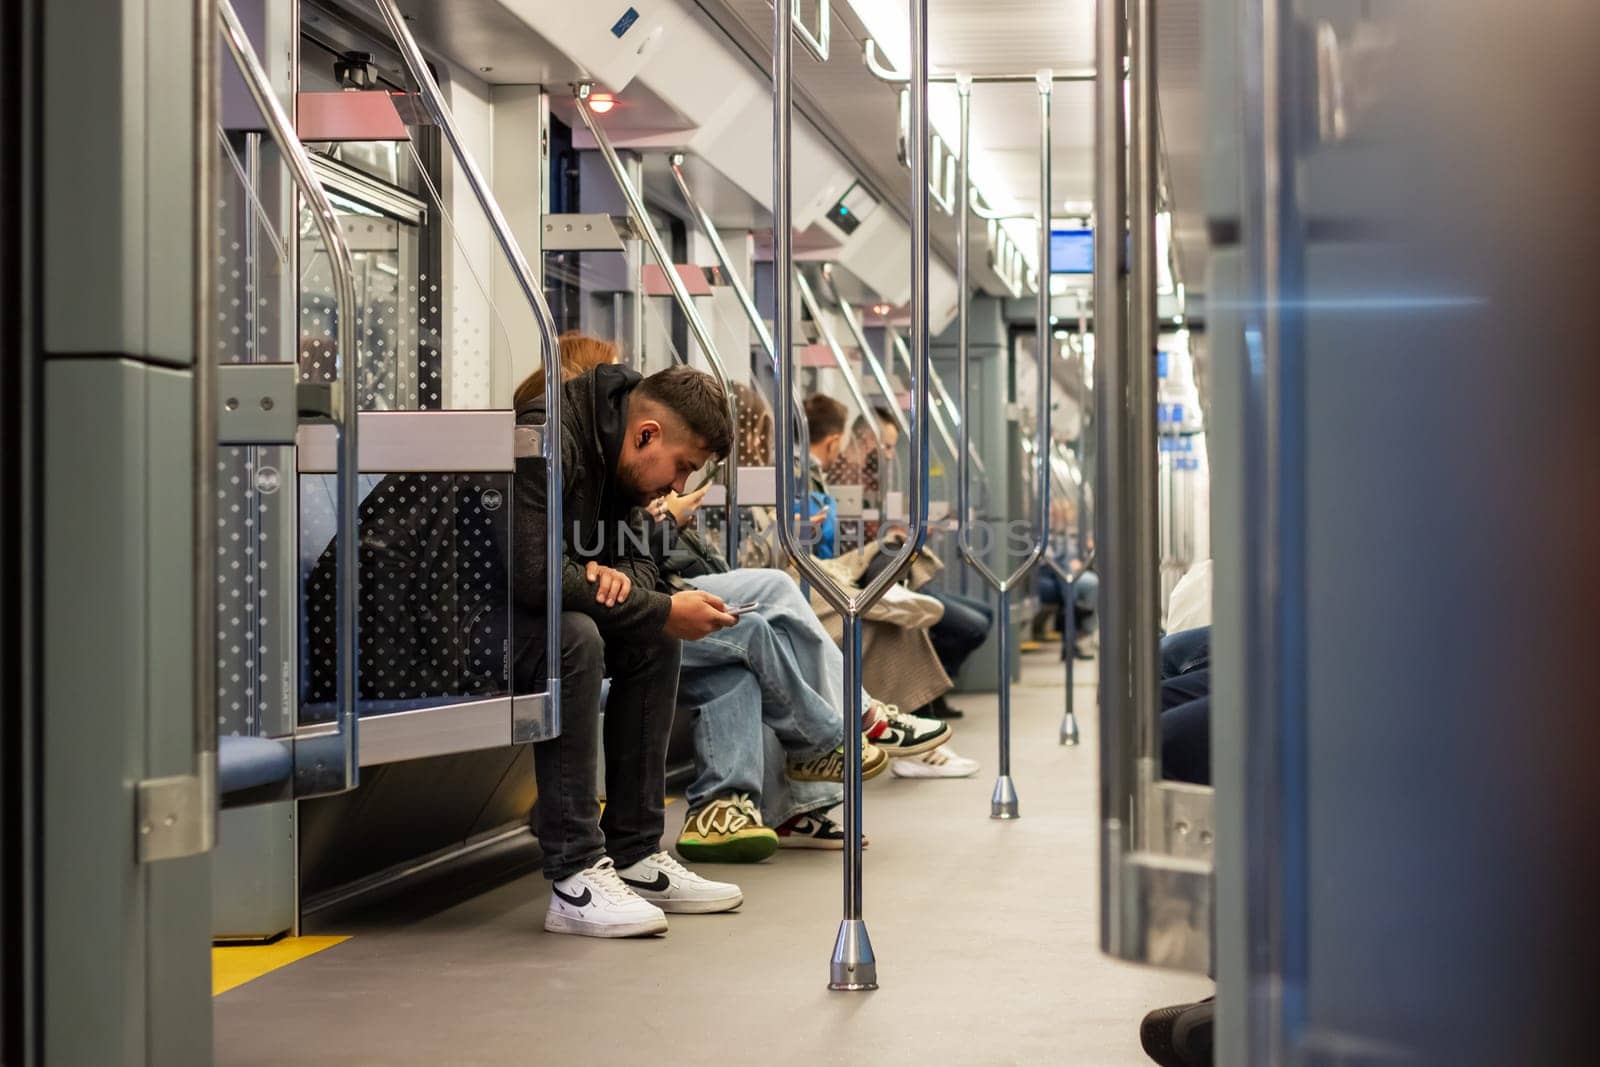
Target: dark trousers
572, 831
1186, 706
965, 626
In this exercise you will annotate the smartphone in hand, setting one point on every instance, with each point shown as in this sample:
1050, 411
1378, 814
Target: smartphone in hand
742, 609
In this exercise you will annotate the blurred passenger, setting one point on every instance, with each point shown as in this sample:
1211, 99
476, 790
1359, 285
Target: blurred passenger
624, 441
857, 462
825, 423
965, 623
899, 663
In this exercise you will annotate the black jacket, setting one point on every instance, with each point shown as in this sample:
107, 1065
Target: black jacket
599, 522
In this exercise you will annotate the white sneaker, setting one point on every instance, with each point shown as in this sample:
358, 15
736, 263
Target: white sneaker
940, 763
668, 884
596, 903
908, 735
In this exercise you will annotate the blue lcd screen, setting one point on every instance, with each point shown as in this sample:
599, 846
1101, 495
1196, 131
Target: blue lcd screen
625, 23
1071, 251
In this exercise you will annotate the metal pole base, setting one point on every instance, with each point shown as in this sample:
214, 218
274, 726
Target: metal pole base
1003, 805
1069, 729
854, 966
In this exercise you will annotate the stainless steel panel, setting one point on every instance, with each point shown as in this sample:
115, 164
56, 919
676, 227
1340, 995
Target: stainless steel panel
256, 403
582, 233
419, 441
436, 731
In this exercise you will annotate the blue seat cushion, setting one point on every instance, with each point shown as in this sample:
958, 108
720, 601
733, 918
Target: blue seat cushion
251, 762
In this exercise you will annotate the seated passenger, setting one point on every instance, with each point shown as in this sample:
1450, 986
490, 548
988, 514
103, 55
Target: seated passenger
899, 664
1085, 594
825, 422
624, 441
799, 673
965, 623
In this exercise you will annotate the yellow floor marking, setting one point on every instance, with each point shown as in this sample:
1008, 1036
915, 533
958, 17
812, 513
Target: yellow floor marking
232, 966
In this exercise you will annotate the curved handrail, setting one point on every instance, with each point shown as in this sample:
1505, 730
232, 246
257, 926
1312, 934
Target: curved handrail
871, 55
735, 281
946, 402
680, 296
342, 268
533, 292
987, 214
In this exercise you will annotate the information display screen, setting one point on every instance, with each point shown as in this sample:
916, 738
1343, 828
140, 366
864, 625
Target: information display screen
1071, 251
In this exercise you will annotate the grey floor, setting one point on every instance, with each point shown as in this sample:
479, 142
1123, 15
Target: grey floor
985, 933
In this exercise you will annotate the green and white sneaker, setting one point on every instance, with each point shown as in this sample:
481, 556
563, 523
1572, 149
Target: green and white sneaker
727, 830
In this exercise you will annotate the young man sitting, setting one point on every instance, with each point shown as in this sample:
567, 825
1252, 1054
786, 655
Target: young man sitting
624, 442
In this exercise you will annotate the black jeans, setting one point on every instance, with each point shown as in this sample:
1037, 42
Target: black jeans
644, 690
965, 626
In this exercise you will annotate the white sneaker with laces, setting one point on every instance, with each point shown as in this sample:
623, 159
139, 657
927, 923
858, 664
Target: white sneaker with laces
940, 763
596, 903
909, 735
671, 886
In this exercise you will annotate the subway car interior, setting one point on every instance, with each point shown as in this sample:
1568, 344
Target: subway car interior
962, 368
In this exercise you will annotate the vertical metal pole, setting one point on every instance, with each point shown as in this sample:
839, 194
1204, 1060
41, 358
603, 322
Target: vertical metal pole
1112, 532
963, 444
853, 965
1144, 621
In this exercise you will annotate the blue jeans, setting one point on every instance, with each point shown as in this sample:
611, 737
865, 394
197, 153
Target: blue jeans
965, 626
764, 691
1085, 593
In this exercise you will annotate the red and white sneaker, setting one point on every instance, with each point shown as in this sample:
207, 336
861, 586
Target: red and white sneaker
906, 735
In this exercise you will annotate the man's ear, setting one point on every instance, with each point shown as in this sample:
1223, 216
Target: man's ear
648, 430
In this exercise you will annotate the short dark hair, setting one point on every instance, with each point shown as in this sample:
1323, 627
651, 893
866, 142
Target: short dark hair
697, 399
825, 416
885, 417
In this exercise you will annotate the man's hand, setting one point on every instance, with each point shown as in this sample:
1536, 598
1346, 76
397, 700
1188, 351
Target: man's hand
611, 586
696, 614
679, 507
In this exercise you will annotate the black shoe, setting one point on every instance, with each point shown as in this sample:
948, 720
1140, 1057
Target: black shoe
938, 709
1180, 1036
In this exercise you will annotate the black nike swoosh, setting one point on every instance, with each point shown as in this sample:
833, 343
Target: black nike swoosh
659, 885
581, 900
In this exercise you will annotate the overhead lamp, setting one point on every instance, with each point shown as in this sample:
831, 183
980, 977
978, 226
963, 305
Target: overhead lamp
600, 103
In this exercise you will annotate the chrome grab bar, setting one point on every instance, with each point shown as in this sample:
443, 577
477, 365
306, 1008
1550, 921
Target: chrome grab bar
1111, 484
1156, 893
345, 410
853, 964
886, 475
853, 324
809, 299
1003, 803
946, 402
735, 281
685, 302
533, 292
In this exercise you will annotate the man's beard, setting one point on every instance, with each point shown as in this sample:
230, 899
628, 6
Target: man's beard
628, 479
